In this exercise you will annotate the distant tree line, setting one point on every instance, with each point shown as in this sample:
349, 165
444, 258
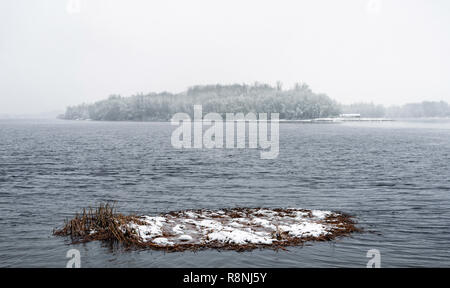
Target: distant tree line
296, 103
423, 109
411, 110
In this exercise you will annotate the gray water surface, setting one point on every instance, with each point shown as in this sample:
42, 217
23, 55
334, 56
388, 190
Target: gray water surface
394, 177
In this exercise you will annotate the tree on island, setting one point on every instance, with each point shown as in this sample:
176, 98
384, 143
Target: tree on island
297, 103
292, 104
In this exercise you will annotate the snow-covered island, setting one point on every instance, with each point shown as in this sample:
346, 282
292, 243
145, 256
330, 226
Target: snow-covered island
235, 229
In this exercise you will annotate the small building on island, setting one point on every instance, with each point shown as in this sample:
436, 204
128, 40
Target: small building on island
350, 116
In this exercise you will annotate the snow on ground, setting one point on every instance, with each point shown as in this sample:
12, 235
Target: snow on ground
234, 226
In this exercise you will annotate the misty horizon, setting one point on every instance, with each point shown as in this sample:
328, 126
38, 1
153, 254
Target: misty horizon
385, 52
56, 112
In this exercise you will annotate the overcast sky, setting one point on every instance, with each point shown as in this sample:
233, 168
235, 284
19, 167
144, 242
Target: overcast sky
388, 52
